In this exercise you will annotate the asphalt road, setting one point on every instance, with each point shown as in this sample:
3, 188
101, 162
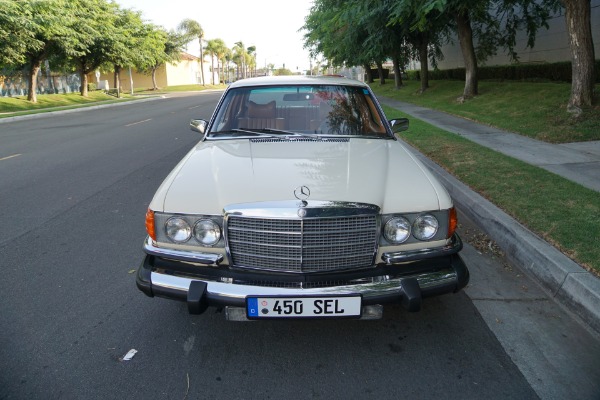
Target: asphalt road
73, 193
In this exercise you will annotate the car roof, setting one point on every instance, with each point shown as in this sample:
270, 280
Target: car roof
297, 80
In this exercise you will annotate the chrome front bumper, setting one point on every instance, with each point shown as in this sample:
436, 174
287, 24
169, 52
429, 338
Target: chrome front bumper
235, 294
201, 292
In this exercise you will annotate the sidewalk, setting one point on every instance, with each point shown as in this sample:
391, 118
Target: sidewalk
566, 281
578, 162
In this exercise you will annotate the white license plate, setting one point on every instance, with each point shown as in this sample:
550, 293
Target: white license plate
303, 307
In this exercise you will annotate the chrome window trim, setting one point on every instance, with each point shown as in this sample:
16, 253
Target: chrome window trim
256, 83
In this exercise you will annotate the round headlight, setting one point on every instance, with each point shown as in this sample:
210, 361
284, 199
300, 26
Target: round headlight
207, 232
425, 227
396, 230
178, 230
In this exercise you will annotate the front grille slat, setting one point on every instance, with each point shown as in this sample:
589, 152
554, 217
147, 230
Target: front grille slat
310, 245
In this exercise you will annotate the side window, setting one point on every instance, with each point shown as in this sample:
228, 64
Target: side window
229, 111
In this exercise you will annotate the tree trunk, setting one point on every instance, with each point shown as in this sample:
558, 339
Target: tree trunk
577, 18
397, 72
212, 69
32, 85
118, 80
84, 80
465, 37
218, 71
368, 72
202, 62
130, 82
424, 60
154, 87
380, 71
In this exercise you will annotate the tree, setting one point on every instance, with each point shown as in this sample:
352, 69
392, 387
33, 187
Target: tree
335, 30
31, 31
423, 37
221, 51
577, 17
482, 26
193, 30
95, 20
239, 58
217, 49
162, 47
282, 72
228, 58
251, 51
387, 40
211, 49
18, 32
126, 43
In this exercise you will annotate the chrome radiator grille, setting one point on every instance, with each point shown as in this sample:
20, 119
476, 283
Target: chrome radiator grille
308, 245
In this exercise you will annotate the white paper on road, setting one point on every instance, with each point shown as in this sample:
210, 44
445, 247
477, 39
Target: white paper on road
129, 355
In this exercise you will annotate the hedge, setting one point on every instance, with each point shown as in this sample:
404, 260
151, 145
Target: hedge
560, 72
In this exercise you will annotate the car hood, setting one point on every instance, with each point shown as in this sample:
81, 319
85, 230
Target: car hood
215, 174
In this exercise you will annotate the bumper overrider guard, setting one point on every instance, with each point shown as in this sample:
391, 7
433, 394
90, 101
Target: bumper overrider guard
403, 277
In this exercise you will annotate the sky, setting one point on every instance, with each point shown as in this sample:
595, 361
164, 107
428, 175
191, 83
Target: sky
270, 25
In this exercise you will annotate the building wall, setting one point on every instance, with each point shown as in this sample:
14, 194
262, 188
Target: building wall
140, 80
551, 45
185, 72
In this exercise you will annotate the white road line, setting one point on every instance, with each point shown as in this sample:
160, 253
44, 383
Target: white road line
139, 122
13, 156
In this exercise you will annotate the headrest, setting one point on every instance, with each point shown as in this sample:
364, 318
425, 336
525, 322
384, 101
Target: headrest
261, 110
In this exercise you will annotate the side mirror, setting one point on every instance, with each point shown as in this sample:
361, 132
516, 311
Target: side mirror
399, 124
198, 125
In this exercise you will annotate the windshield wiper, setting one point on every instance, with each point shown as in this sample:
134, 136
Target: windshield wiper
276, 133
257, 132
293, 134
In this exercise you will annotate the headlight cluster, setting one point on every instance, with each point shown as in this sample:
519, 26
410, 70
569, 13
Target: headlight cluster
398, 229
181, 229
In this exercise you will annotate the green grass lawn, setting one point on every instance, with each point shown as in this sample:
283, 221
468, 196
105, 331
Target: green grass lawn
537, 110
18, 105
564, 213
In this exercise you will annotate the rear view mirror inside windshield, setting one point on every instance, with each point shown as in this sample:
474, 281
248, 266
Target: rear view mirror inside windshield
298, 96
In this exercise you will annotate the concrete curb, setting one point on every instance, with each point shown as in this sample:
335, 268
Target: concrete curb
72, 110
572, 286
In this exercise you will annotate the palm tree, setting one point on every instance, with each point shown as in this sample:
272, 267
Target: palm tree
211, 48
220, 50
193, 30
228, 57
252, 53
239, 57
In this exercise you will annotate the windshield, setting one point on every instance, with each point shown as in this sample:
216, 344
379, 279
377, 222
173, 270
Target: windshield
298, 110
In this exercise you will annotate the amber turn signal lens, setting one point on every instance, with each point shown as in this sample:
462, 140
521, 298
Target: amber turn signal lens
452, 222
150, 224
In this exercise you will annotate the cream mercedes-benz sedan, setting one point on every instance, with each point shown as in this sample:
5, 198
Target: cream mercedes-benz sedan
300, 202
